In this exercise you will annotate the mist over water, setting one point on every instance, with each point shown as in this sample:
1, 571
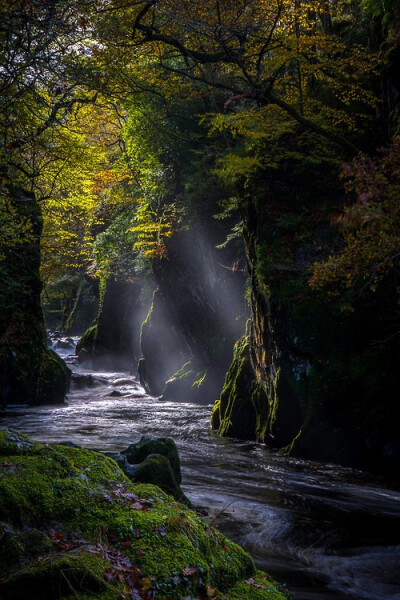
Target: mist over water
330, 532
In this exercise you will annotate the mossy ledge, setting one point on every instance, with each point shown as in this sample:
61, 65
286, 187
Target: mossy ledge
72, 525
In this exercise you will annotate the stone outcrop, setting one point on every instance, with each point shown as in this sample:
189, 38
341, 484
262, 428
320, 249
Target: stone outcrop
73, 525
197, 313
312, 379
30, 373
112, 342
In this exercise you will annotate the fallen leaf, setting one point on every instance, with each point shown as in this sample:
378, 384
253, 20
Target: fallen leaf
139, 506
189, 571
56, 537
210, 591
146, 584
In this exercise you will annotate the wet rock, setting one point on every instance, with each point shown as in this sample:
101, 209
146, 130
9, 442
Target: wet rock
124, 381
116, 394
82, 380
156, 469
136, 453
14, 442
65, 344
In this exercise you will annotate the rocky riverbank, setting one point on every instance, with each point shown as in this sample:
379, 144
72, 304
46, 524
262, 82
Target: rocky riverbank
73, 525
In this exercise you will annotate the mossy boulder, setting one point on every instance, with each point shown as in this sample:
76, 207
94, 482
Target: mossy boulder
73, 525
155, 461
156, 469
136, 453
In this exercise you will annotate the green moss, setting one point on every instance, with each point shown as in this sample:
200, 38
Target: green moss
53, 379
88, 340
63, 577
71, 521
259, 587
12, 442
247, 407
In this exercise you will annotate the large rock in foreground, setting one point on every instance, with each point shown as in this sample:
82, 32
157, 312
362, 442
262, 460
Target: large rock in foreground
72, 525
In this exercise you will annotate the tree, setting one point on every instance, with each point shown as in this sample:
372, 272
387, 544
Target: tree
258, 54
369, 224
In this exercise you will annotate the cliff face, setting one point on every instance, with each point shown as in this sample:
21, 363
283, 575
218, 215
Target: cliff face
197, 314
310, 378
112, 342
30, 373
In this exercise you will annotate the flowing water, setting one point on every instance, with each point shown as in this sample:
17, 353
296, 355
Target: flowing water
329, 532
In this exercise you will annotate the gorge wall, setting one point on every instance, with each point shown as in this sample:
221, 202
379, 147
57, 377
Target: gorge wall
313, 376
30, 373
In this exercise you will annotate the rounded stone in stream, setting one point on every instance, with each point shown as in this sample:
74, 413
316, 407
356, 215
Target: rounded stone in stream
156, 469
65, 344
82, 380
136, 453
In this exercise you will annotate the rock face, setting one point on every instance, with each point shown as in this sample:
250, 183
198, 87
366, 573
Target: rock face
71, 521
311, 379
243, 409
197, 313
164, 351
30, 373
112, 342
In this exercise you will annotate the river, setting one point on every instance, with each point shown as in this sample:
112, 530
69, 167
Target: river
330, 533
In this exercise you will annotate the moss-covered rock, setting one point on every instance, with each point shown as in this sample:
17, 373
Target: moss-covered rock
156, 469
73, 525
155, 461
245, 409
136, 453
30, 373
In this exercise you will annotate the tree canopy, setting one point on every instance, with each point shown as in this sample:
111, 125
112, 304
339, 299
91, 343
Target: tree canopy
104, 105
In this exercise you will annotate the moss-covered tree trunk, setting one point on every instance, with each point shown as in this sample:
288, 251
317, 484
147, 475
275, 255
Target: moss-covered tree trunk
30, 373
